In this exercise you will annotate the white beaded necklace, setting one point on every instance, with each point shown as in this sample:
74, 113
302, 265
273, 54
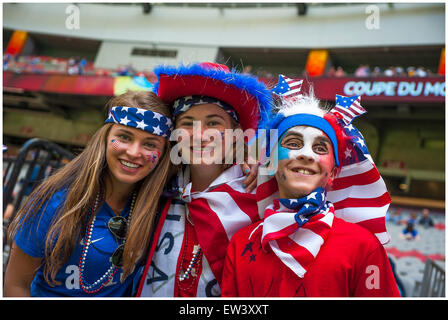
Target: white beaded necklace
109, 274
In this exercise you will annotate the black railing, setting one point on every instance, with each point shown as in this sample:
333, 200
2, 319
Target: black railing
36, 160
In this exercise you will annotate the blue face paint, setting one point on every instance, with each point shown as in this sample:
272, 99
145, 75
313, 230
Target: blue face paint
308, 139
283, 153
312, 121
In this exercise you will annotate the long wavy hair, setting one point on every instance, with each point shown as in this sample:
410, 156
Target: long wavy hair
84, 178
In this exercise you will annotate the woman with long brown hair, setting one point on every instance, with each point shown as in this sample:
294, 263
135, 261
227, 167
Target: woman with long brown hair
83, 231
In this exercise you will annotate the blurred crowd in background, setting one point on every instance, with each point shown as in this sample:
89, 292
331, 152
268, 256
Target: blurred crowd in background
80, 66
72, 66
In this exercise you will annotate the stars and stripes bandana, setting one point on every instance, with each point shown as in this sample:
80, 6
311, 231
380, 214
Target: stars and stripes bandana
184, 103
146, 120
295, 229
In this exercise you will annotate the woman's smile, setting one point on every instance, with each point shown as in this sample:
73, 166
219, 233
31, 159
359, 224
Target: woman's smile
132, 153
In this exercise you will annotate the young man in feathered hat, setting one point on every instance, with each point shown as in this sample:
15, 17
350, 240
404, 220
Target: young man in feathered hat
209, 202
324, 203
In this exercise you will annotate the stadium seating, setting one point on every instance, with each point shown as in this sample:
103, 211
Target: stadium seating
414, 258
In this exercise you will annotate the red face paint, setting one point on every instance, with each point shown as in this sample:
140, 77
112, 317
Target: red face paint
130, 158
117, 145
152, 156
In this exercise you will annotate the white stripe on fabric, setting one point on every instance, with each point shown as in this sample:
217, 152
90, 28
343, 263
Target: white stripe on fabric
347, 118
288, 260
368, 191
350, 112
293, 91
294, 83
357, 108
263, 204
368, 156
355, 169
353, 214
307, 239
277, 222
383, 237
328, 219
237, 185
228, 212
234, 173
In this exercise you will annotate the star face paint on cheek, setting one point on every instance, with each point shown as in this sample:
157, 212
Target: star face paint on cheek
116, 145
152, 156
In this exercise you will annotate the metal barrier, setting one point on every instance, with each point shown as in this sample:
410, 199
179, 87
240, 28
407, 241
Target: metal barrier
36, 160
433, 283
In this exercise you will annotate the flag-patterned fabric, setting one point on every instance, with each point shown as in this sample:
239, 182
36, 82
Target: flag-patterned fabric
287, 87
218, 212
143, 119
294, 236
184, 103
348, 107
358, 192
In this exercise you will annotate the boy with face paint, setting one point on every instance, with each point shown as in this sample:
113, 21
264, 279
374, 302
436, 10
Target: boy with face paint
306, 161
301, 248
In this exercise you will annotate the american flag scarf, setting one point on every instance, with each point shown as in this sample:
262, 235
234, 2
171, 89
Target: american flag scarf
218, 212
295, 229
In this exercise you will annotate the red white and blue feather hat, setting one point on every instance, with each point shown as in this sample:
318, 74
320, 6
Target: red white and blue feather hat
244, 93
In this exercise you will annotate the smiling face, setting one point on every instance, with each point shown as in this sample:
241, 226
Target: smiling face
205, 126
132, 154
305, 162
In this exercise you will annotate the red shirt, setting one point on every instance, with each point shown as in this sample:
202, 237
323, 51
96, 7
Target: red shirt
351, 263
